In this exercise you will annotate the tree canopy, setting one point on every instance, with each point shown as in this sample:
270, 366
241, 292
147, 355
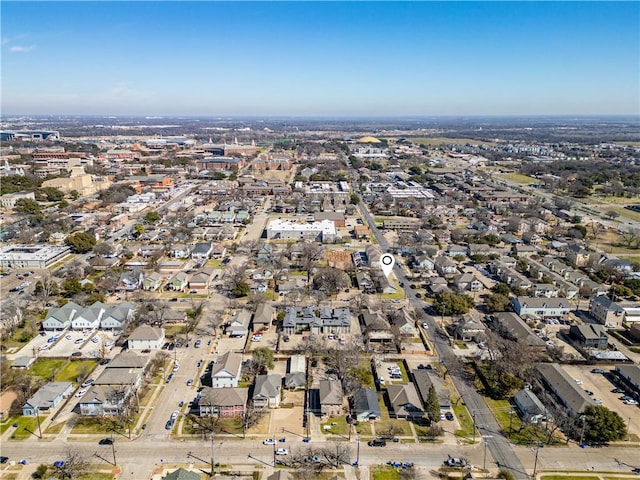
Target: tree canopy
453, 304
81, 242
603, 425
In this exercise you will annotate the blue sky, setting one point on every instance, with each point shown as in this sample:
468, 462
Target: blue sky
325, 58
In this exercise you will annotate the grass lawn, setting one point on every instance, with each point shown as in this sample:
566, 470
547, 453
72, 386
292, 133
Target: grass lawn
73, 369
96, 476
399, 295
465, 420
517, 177
47, 368
384, 473
54, 428
340, 428
24, 424
90, 425
214, 262
403, 425
172, 330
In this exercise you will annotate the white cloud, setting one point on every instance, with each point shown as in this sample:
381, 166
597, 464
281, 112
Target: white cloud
22, 48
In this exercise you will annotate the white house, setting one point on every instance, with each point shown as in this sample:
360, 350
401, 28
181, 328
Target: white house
146, 337
60, 318
226, 371
118, 316
89, 318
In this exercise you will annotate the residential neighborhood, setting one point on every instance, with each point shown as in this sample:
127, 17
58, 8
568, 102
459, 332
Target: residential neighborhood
231, 297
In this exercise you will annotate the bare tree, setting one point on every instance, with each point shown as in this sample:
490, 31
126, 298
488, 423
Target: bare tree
310, 253
76, 463
331, 280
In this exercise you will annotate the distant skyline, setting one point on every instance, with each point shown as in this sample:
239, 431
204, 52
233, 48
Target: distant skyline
320, 58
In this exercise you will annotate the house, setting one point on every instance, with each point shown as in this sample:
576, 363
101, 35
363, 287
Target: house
23, 362
511, 326
263, 316
530, 407
467, 282
330, 397
365, 405
223, 402
202, 251
126, 369
564, 388
6, 400
46, 398
606, 311
296, 376
548, 290
589, 336
89, 318
180, 250
424, 379
152, 281
178, 282
280, 475
238, 324
118, 316
219, 251
469, 328
576, 255
182, 474
541, 307
146, 337
105, 400
403, 323
130, 280
405, 401
424, 263
201, 279
445, 266
317, 320
267, 391
226, 371
457, 250
60, 318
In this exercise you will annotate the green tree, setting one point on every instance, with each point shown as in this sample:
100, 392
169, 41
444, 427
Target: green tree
138, 230
433, 404
71, 286
95, 297
241, 289
603, 425
74, 194
620, 291
27, 206
152, 217
81, 242
262, 359
51, 194
497, 303
452, 304
502, 289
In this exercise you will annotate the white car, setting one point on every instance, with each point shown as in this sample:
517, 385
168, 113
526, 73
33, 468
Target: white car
95, 340
81, 392
578, 381
282, 451
44, 347
174, 415
597, 401
269, 441
425, 325
630, 401
176, 367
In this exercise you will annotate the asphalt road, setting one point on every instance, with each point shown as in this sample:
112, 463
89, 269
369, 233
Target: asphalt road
499, 446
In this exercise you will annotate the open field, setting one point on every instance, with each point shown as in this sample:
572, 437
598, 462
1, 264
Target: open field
517, 177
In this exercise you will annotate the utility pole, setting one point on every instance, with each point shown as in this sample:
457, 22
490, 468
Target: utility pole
38, 419
583, 418
213, 462
510, 423
535, 463
484, 459
358, 451
473, 416
113, 450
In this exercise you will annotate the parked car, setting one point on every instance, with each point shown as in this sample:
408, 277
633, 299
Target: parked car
269, 441
448, 415
79, 340
455, 462
106, 441
377, 442
197, 344
58, 463
282, 451
87, 382
189, 382
81, 393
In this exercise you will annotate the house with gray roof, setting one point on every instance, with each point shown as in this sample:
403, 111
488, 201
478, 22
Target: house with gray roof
89, 318
223, 402
146, 337
263, 316
152, 281
202, 251
365, 405
606, 311
423, 379
317, 320
630, 376
105, 400
238, 324
60, 318
405, 401
564, 388
541, 307
267, 391
178, 282
331, 397
529, 406
511, 326
46, 398
589, 336
118, 316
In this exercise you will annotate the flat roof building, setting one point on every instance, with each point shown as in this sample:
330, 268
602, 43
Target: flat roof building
32, 256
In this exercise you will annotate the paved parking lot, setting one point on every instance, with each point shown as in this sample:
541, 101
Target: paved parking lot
601, 387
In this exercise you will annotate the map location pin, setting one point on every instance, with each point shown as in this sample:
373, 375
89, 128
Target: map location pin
386, 263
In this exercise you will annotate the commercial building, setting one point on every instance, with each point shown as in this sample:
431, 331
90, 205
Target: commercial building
32, 256
324, 231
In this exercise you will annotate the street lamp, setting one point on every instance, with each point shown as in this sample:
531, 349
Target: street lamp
358, 451
484, 460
